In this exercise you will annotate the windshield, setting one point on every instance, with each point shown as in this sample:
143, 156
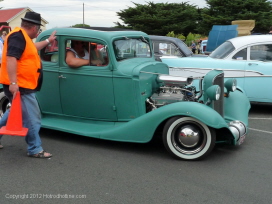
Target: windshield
131, 48
222, 51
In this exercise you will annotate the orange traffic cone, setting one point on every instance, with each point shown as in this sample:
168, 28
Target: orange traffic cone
15, 124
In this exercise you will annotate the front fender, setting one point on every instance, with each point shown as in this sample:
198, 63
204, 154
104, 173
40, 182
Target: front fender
142, 128
237, 107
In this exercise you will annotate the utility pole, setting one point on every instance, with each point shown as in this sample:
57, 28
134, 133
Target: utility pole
83, 14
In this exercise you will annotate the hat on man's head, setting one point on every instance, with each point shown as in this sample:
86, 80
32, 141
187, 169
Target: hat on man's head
32, 17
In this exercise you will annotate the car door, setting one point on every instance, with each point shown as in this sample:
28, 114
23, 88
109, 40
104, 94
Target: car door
48, 97
258, 79
86, 91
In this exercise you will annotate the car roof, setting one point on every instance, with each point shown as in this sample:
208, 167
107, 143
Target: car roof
161, 38
184, 48
249, 39
96, 32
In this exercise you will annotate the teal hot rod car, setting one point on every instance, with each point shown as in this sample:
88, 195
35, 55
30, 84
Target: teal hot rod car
132, 98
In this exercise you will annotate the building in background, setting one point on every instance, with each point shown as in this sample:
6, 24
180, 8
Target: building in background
12, 18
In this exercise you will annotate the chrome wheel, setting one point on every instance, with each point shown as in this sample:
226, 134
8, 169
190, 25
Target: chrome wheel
4, 104
188, 138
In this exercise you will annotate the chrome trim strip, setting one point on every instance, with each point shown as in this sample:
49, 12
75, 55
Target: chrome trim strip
229, 73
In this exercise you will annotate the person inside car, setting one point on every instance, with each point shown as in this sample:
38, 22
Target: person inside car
78, 56
96, 54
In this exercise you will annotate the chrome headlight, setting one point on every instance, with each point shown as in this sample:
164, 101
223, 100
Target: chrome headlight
214, 92
231, 85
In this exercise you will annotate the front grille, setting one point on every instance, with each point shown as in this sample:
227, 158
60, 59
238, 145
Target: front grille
219, 104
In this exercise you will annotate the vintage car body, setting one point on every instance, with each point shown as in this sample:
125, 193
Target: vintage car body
175, 47
131, 97
247, 58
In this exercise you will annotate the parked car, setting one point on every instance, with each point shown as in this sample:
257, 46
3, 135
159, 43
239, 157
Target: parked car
132, 97
203, 46
247, 58
169, 47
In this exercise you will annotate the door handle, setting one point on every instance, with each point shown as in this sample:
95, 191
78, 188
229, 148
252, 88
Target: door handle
62, 77
252, 64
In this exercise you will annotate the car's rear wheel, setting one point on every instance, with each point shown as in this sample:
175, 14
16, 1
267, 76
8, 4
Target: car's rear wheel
4, 103
187, 138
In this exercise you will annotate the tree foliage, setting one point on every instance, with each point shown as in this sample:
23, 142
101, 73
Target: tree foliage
172, 34
81, 25
222, 12
160, 18
183, 18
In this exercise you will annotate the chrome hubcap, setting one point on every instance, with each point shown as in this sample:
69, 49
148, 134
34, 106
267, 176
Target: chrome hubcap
188, 137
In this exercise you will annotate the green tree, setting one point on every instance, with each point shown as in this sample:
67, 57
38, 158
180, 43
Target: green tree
222, 12
80, 26
160, 18
192, 37
172, 34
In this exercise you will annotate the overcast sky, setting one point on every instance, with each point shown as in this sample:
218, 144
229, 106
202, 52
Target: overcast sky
60, 13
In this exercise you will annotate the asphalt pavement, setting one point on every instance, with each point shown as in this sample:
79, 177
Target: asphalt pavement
87, 170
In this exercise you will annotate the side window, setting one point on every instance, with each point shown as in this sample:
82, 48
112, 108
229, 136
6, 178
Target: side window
94, 52
261, 52
241, 55
51, 52
174, 50
163, 47
166, 48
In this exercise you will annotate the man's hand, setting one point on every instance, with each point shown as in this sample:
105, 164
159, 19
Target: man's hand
52, 37
13, 88
40, 45
12, 74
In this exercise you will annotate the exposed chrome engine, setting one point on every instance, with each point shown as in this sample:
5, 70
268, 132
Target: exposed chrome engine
175, 89
173, 94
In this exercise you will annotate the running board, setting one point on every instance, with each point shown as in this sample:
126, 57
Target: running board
77, 126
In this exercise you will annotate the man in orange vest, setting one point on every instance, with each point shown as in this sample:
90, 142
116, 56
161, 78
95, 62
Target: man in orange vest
21, 71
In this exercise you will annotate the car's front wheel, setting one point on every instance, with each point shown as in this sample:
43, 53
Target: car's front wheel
4, 103
187, 138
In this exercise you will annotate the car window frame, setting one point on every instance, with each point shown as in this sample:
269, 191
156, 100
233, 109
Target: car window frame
64, 40
42, 51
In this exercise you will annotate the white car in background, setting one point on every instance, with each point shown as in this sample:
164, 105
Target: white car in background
246, 58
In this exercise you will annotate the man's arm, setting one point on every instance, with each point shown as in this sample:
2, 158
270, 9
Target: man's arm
12, 73
42, 44
74, 62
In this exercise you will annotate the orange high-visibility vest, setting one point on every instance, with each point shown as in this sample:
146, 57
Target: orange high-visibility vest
28, 66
